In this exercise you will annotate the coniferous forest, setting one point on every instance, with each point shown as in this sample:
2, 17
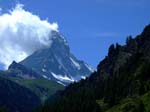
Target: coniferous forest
120, 84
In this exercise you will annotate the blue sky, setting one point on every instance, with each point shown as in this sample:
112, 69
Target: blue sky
90, 26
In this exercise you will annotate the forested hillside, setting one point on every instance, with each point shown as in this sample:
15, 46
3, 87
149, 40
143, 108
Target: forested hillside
16, 98
120, 84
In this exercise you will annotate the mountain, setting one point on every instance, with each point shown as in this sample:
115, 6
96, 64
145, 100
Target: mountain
16, 98
18, 70
120, 84
57, 63
28, 78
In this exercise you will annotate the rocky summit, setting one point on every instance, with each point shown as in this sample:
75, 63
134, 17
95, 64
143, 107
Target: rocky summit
57, 63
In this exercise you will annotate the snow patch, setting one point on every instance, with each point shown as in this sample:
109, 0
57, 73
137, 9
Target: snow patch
90, 68
62, 78
45, 76
65, 41
75, 63
43, 70
61, 83
59, 60
83, 77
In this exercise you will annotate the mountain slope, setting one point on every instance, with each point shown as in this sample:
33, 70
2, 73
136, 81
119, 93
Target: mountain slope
43, 88
121, 83
57, 63
16, 98
18, 70
28, 78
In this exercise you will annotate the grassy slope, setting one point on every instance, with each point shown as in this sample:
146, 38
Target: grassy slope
41, 87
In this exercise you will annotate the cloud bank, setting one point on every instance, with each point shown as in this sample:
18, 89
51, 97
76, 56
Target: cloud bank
21, 34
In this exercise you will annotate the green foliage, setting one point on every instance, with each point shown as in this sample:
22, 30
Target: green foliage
128, 105
103, 106
146, 101
43, 88
71, 102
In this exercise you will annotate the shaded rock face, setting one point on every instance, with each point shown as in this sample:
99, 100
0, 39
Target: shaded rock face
57, 63
18, 70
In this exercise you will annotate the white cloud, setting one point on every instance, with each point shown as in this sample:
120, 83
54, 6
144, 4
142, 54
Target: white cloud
21, 34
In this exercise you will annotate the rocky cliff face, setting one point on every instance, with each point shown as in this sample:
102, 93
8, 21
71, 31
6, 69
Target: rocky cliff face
18, 70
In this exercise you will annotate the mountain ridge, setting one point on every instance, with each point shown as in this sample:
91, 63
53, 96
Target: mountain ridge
57, 62
28, 78
120, 84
